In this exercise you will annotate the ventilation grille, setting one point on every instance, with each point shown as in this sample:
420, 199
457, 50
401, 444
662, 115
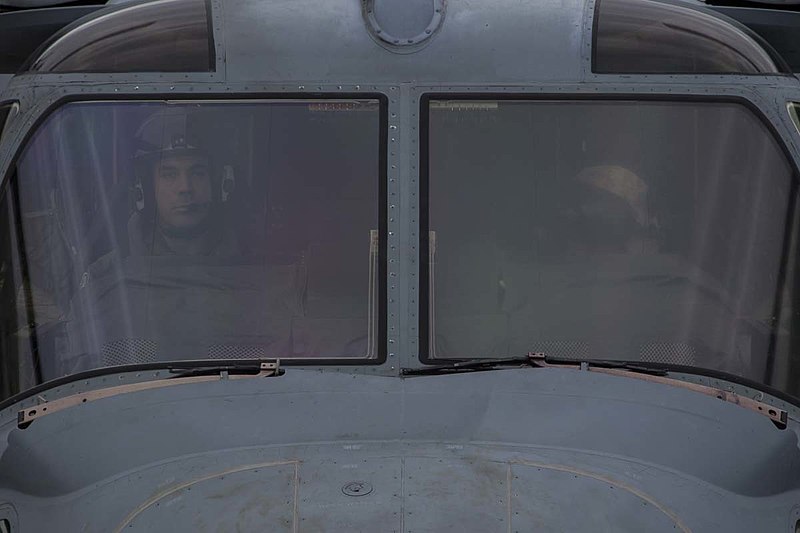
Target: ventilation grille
563, 349
676, 353
129, 351
235, 351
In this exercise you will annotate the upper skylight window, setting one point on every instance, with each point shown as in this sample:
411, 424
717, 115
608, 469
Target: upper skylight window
159, 36
653, 37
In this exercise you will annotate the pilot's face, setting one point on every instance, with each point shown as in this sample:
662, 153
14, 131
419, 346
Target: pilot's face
182, 185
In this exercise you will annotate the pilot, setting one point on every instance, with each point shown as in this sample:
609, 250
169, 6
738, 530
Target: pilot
179, 192
611, 214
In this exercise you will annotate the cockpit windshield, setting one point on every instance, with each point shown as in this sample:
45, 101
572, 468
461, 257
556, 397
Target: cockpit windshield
138, 232
638, 231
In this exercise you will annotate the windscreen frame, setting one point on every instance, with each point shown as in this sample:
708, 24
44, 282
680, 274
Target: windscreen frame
424, 316
11, 108
794, 114
6, 186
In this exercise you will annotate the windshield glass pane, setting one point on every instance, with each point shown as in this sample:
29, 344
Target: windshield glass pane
146, 232
644, 231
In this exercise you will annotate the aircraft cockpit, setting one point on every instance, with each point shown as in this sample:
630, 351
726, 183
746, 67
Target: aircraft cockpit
400, 265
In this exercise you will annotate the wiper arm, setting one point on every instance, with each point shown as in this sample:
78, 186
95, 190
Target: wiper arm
637, 370
470, 365
654, 374
534, 360
585, 364
248, 368
182, 375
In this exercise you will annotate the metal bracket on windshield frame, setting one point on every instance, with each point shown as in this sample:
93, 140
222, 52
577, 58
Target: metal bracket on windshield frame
214, 371
778, 416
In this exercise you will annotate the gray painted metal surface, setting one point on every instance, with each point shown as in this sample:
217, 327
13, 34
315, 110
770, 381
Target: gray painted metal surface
479, 42
518, 449
508, 450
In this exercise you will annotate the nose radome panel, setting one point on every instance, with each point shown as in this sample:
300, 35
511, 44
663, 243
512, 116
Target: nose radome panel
548, 497
402, 494
239, 499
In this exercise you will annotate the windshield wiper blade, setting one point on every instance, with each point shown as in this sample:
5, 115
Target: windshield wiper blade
470, 365
655, 374
630, 369
584, 364
185, 374
246, 368
534, 360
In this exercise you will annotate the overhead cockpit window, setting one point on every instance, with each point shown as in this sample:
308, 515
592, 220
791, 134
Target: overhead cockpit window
150, 232
162, 36
656, 37
637, 231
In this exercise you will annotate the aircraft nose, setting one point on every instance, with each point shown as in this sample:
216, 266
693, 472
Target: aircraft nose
403, 493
